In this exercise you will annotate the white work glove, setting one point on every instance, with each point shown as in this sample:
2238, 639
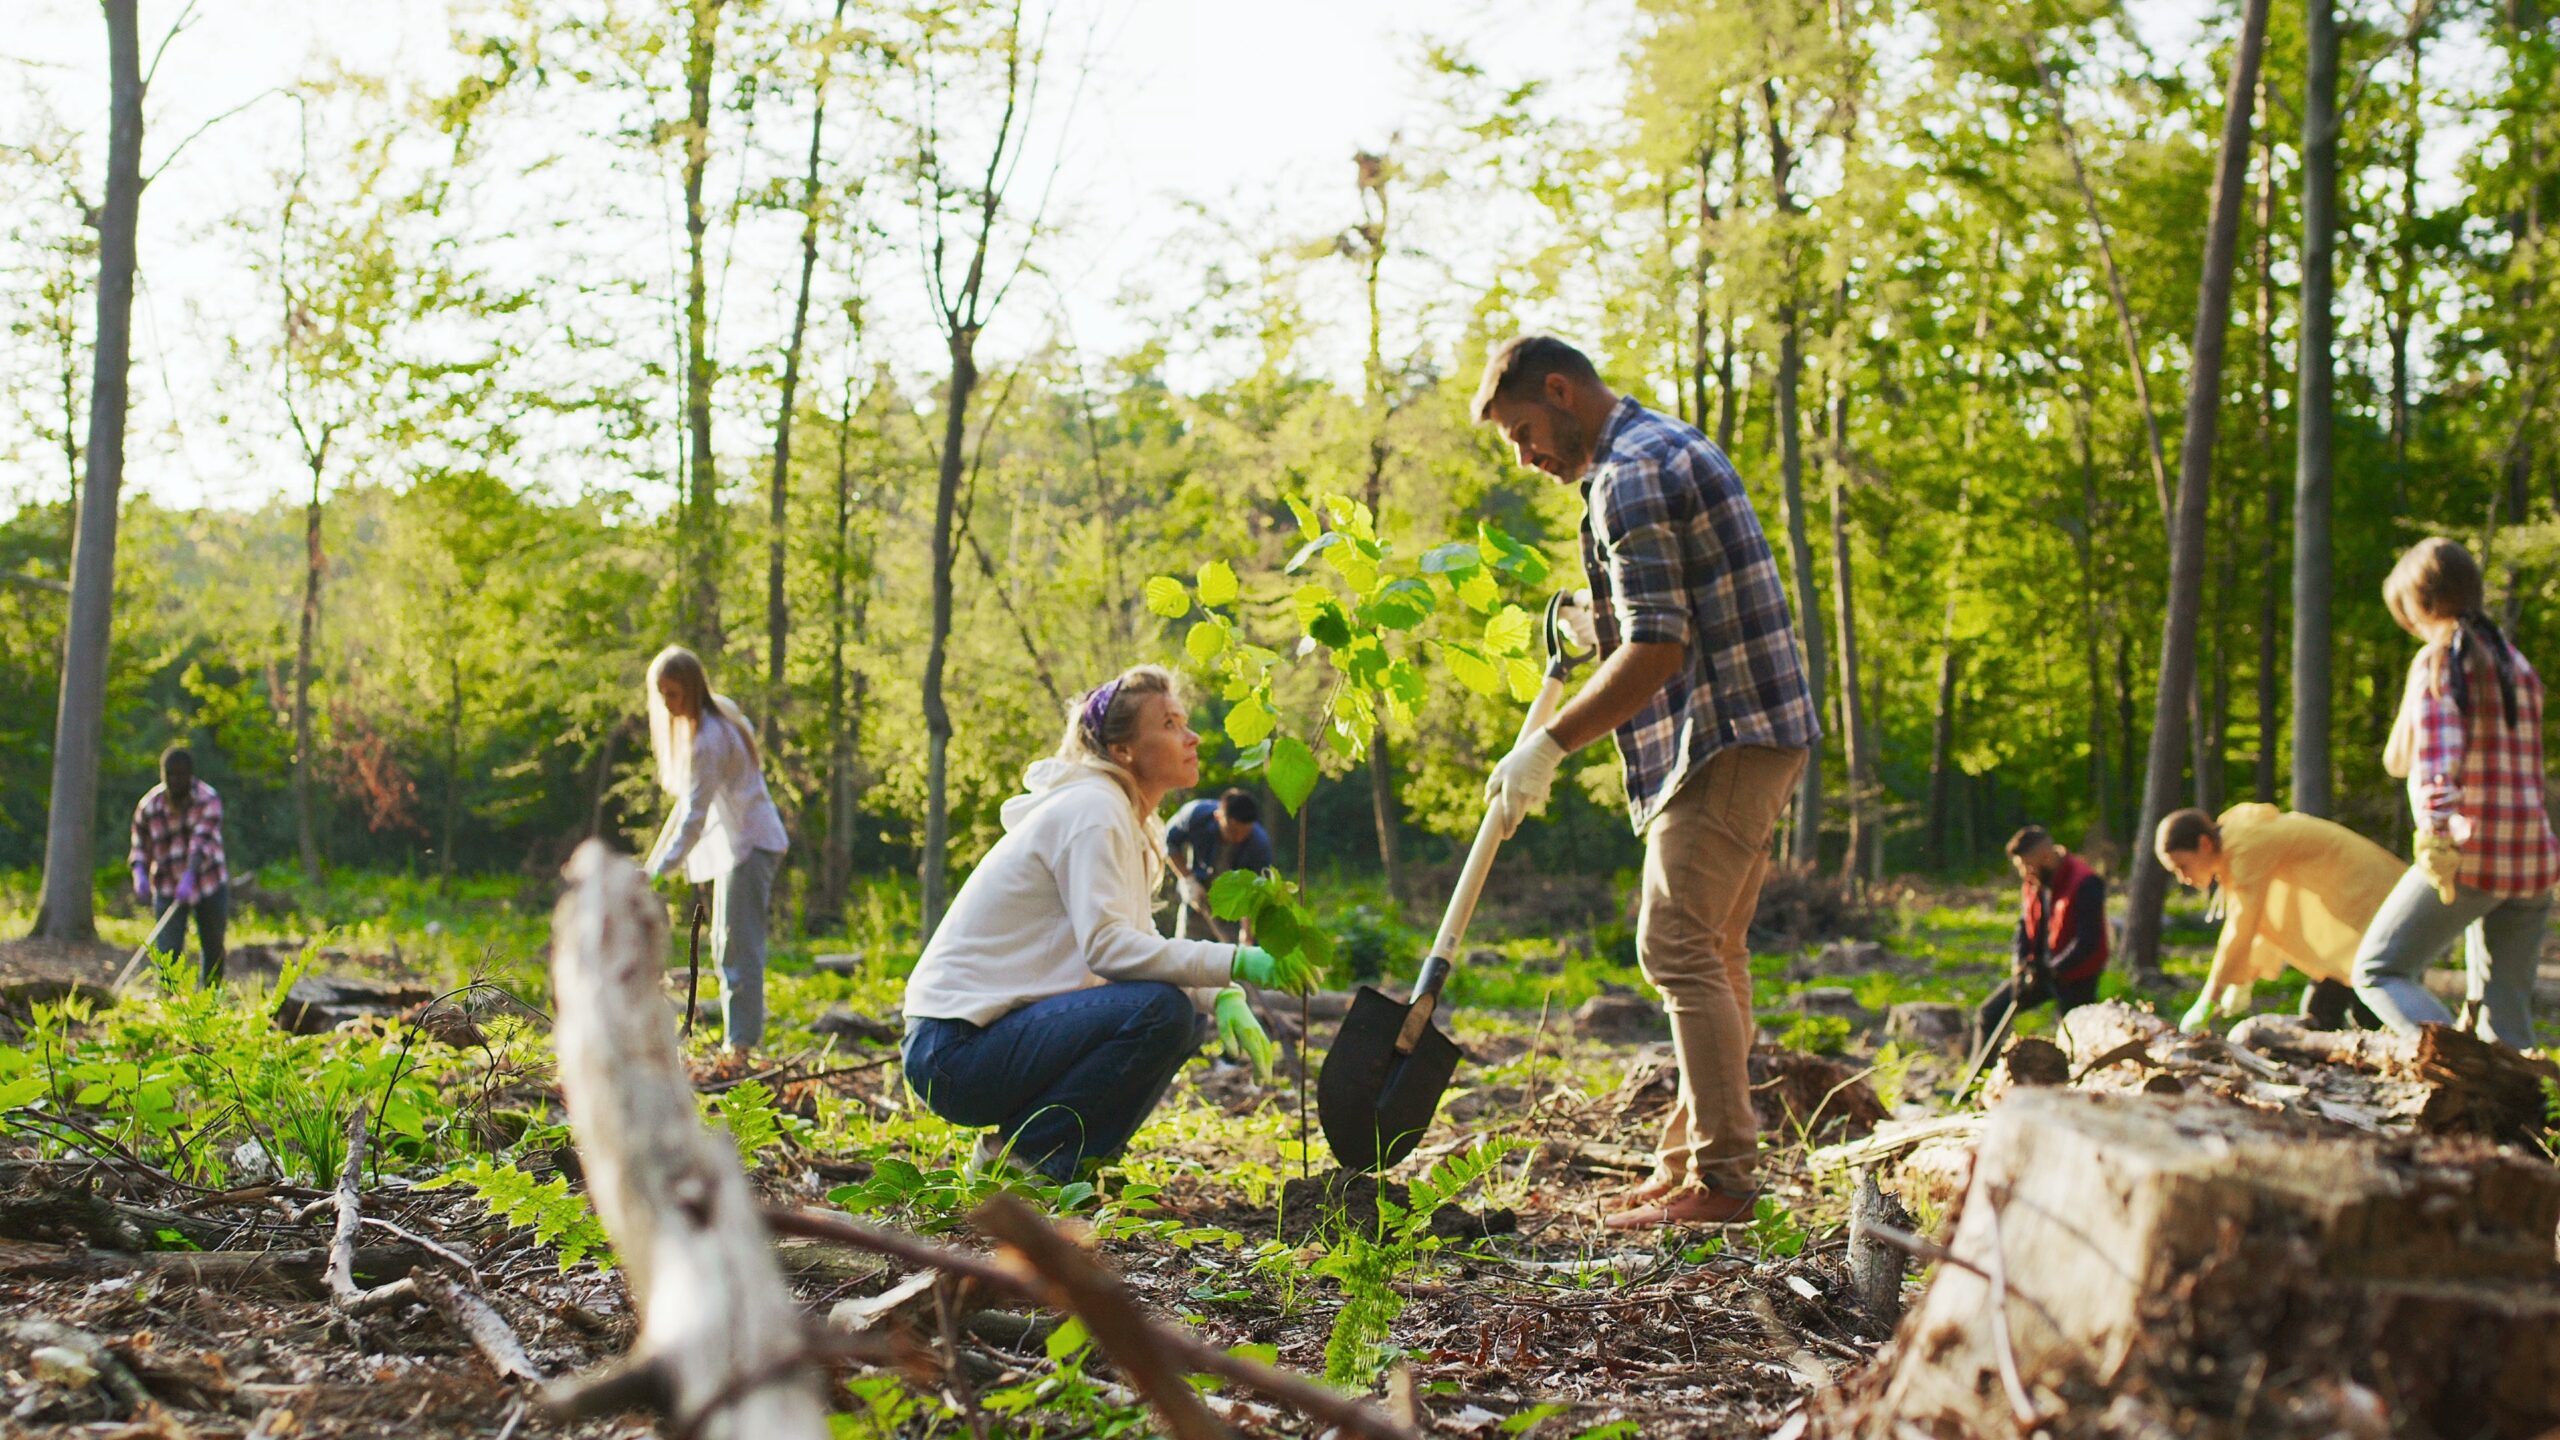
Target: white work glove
1194, 894
1581, 628
1520, 783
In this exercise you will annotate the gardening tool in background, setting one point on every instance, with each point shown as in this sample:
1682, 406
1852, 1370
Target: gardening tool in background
2019, 964
693, 969
1382, 1081
133, 962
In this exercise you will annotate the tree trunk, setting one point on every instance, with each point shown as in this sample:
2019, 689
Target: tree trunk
452, 771
777, 604
306, 832
2149, 885
1854, 741
68, 909
836, 862
1804, 841
2087, 547
1373, 172
2270, 579
937, 717
2314, 413
1942, 741
2403, 301
2125, 328
701, 541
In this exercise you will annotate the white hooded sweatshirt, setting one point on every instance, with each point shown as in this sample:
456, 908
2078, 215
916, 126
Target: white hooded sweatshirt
1060, 904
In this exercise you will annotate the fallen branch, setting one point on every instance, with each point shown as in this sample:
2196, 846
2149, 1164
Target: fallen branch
1099, 1299
299, 1272
1193, 1354
344, 1293
479, 1322
722, 1350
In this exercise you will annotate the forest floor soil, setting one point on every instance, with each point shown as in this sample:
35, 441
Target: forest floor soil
1225, 1219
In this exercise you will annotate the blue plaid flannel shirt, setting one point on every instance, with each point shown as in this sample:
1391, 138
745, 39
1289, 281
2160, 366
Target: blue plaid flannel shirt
1675, 554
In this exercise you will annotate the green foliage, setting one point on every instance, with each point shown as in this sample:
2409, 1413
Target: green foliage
1818, 1034
555, 1214
745, 1110
1281, 923
1367, 612
1367, 1264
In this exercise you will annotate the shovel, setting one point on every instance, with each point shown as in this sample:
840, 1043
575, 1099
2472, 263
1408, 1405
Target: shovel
133, 963
1382, 1081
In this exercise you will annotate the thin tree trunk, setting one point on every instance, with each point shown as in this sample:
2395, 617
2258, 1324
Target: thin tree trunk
1804, 841
2314, 413
1373, 173
452, 771
68, 908
701, 542
1855, 743
601, 789
2403, 303
2085, 544
1942, 739
2524, 226
836, 865
937, 716
306, 832
2126, 330
777, 604
2149, 885
2270, 580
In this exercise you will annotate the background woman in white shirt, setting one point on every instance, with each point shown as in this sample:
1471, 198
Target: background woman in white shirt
1046, 1005
724, 829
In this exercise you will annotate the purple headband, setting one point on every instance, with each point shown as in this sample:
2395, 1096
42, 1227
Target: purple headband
1097, 708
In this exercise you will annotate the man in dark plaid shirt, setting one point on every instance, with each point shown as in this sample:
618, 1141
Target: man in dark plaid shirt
178, 868
1703, 683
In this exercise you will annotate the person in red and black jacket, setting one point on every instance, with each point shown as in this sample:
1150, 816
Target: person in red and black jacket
2061, 941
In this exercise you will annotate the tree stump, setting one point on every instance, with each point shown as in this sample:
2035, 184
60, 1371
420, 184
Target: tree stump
2232, 1272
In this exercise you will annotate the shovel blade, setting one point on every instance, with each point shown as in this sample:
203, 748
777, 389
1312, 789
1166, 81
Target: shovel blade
1374, 1104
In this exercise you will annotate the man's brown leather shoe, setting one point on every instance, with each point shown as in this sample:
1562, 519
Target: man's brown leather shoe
1650, 1190
1689, 1205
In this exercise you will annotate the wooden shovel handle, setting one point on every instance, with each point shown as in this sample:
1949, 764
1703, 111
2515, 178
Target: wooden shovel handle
1462, 900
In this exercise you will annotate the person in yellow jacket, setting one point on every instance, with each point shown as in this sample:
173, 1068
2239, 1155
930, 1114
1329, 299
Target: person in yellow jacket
2300, 892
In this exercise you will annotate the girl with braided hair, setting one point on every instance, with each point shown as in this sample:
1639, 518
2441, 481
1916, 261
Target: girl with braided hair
2469, 740
1046, 1006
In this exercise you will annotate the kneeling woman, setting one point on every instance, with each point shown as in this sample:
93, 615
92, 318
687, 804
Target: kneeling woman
1046, 1005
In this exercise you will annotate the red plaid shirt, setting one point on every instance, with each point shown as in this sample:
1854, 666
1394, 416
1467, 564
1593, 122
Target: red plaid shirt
2480, 781
172, 845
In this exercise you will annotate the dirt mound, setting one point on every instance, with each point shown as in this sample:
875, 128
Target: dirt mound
1348, 1200
1801, 906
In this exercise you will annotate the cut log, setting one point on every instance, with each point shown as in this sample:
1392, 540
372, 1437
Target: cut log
721, 1349
2466, 1085
2091, 1032
2200, 1261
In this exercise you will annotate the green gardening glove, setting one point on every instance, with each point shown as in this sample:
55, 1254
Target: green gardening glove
1241, 1035
1257, 966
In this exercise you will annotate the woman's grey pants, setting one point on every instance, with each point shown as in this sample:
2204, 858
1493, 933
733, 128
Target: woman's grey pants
2415, 926
740, 902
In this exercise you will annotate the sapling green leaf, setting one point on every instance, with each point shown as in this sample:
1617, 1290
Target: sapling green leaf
1166, 597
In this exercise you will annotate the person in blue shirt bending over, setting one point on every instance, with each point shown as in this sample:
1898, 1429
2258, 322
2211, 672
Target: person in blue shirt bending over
1207, 839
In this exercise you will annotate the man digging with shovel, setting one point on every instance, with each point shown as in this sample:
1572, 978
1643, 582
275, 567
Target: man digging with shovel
1703, 684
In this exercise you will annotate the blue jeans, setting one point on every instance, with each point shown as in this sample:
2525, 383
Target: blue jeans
1061, 1080
2415, 926
741, 903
